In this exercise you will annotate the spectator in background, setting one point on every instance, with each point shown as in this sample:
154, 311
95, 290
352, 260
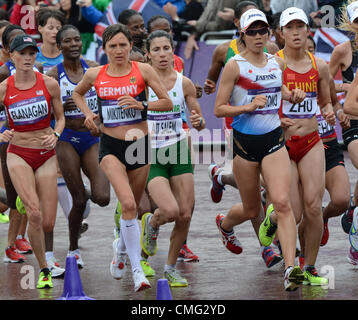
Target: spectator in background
4, 55
318, 15
209, 21
49, 22
265, 7
192, 12
135, 24
74, 17
179, 4
308, 6
276, 30
4, 15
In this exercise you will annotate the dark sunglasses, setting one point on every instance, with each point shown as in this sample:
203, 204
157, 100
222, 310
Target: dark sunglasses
254, 32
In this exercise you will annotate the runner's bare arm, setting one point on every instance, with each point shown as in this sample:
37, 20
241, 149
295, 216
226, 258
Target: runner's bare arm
196, 118
55, 92
217, 63
230, 76
351, 102
39, 66
336, 64
294, 96
151, 78
82, 87
53, 73
323, 90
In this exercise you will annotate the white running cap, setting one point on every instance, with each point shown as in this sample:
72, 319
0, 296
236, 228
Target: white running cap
352, 11
291, 14
251, 16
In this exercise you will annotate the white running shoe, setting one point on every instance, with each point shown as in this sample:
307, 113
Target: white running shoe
77, 255
140, 281
118, 264
55, 268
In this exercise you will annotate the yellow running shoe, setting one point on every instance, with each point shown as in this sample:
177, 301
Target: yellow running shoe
45, 280
147, 269
20, 206
312, 278
175, 279
4, 218
267, 229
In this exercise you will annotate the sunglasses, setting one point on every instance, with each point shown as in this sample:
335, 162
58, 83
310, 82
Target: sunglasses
254, 32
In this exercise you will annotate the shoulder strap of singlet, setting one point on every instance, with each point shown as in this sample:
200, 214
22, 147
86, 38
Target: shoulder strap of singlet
84, 64
314, 64
282, 56
233, 46
60, 69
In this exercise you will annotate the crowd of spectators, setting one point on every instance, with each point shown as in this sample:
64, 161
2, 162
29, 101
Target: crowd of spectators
189, 17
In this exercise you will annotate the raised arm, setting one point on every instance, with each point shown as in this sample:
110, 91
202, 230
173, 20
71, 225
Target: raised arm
324, 93
230, 76
55, 92
196, 118
351, 102
151, 78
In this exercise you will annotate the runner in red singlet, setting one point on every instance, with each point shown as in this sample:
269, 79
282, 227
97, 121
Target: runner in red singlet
303, 70
124, 146
29, 97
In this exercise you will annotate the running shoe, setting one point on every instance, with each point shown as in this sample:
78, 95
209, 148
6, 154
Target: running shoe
229, 240
325, 235
347, 217
186, 255
45, 280
118, 264
175, 279
20, 206
4, 218
301, 261
23, 246
270, 257
149, 235
267, 229
140, 281
353, 233
312, 278
353, 257
147, 269
13, 256
216, 189
293, 278
77, 255
54, 267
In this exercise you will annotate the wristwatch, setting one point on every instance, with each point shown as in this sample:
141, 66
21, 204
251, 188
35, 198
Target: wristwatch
57, 134
145, 105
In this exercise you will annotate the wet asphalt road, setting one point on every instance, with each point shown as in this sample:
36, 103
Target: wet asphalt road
219, 274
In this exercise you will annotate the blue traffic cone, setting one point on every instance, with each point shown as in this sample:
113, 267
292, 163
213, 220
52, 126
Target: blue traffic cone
73, 287
163, 290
